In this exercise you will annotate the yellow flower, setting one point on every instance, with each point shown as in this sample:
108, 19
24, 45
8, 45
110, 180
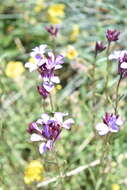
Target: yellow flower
115, 187
58, 87
74, 33
14, 69
71, 52
56, 10
40, 5
34, 172
54, 20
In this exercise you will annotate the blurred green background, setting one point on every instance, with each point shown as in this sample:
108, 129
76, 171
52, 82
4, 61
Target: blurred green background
82, 23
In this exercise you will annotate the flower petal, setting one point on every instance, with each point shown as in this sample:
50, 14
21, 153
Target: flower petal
31, 66
55, 79
114, 129
123, 65
102, 128
58, 67
45, 117
48, 86
35, 137
115, 55
42, 48
67, 124
49, 144
42, 148
59, 116
59, 59
119, 121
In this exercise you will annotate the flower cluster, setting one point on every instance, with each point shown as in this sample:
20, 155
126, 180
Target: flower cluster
45, 63
34, 172
47, 129
111, 35
111, 123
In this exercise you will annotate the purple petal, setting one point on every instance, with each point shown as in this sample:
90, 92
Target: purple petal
59, 59
42, 148
46, 131
48, 86
114, 129
49, 144
119, 121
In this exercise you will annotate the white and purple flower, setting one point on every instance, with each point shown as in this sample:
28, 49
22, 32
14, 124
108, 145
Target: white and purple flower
39, 58
47, 129
46, 63
111, 123
121, 56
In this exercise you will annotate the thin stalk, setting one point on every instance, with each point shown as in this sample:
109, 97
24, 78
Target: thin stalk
117, 94
102, 159
44, 106
105, 144
51, 103
94, 88
59, 169
107, 72
54, 45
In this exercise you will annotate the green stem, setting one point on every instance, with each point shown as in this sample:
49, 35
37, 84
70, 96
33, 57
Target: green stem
105, 144
117, 94
59, 169
51, 103
94, 88
107, 72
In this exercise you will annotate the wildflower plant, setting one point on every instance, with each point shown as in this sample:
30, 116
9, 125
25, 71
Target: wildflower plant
74, 67
111, 121
48, 128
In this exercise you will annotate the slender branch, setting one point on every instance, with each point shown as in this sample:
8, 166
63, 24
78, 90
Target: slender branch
51, 103
94, 90
70, 173
107, 74
117, 94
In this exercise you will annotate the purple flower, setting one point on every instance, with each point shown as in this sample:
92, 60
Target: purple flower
54, 62
47, 129
111, 123
33, 128
38, 52
52, 30
42, 91
38, 56
122, 66
112, 35
121, 56
48, 86
99, 47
